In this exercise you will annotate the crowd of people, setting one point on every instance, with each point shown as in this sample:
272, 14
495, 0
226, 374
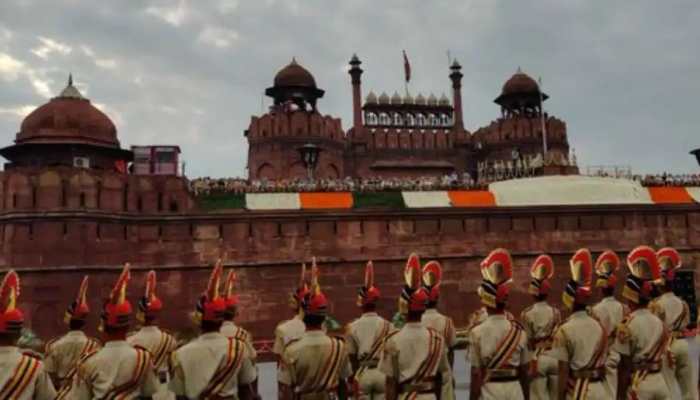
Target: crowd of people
207, 186
610, 349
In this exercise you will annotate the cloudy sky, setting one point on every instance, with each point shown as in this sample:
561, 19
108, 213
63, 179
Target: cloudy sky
624, 75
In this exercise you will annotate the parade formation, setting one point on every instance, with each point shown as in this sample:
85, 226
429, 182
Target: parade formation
631, 350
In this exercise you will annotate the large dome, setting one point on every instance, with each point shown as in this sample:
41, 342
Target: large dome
294, 75
520, 83
68, 118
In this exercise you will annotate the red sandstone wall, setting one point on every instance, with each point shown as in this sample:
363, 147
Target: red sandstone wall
267, 248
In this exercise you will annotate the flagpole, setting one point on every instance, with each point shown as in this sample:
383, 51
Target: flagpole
544, 125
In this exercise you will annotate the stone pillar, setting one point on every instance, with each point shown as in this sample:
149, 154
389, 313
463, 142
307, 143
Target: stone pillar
456, 77
356, 74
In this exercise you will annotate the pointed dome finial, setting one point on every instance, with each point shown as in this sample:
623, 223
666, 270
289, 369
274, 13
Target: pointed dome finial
71, 91
294, 61
70, 79
519, 71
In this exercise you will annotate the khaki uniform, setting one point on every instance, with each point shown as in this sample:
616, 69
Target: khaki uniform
313, 365
287, 331
610, 313
414, 357
160, 344
365, 337
231, 330
63, 354
23, 377
118, 368
486, 339
195, 365
678, 369
581, 341
442, 324
540, 321
643, 337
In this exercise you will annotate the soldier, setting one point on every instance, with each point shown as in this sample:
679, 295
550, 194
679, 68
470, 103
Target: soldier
160, 344
642, 338
540, 321
432, 276
229, 328
292, 328
679, 371
118, 370
64, 353
22, 377
365, 340
580, 343
609, 311
498, 346
414, 360
314, 366
212, 366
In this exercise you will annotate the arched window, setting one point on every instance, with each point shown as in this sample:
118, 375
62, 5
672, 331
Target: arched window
371, 118
420, 119
444, 120
432, 120
410, 121
384, 119
398, 120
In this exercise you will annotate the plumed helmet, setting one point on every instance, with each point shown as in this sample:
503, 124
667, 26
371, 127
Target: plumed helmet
497, 274
78, 308
644, 273
606, 265
669, 261
413, 296
149, 305
578, 289
541, 272
11, 317
315, 302
211, 305
432, 277
116, 312
368, 293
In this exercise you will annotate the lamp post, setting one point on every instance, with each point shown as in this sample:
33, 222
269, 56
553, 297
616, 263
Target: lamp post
309, 156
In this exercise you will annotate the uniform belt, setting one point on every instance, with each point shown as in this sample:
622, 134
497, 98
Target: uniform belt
369, 363
649, 367
503, 375
593, 375
419, 387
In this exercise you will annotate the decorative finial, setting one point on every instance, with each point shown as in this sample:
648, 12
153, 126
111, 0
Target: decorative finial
70, 79
294, 61
455, 64
519, 71
354, 60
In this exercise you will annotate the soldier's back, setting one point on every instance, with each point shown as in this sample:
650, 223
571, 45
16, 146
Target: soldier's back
540, 320
610, 312
231, 330
158, 342
118, 369
23, 377
62, 354
314, 364
363, 332
442, 324
195, 364
287, 331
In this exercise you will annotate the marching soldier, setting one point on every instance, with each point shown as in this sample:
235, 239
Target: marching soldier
118, 370
609, 311
540, 321
642, 338
580, 343
22, 377
292, 328
678, 371
414, 360
365, 341
432, 318
212, 366
63, 354
229, 327
159, 344
498, 346
314, 366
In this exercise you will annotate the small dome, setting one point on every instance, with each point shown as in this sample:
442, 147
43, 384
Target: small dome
420, 100
68, 118
371, 98
295, 75
520, 83
408, 99
384, 98
444, 101
396, 99
432, 100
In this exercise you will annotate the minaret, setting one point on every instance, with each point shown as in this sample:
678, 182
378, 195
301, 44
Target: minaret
356, 74
456, 77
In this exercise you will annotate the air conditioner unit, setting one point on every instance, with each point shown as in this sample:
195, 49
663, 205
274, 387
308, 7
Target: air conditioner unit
81, 162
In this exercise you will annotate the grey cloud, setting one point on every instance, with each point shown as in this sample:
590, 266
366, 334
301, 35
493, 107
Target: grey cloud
621, 74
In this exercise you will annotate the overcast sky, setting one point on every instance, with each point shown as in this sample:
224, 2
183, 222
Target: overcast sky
624, 75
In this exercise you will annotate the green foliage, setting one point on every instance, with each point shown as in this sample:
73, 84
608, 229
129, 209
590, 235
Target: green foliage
392, 200
221, 201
